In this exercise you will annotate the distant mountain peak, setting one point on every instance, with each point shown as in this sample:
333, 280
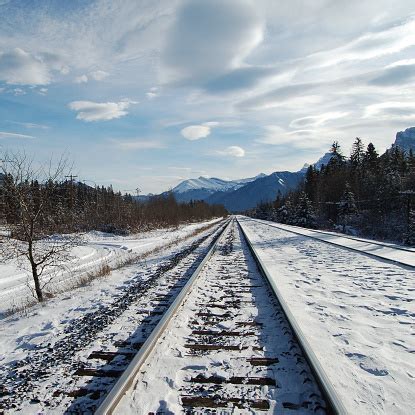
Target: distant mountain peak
406, 139
211, 184
305, 168
324, 160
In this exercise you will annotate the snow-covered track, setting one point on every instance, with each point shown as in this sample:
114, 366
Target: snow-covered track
384, 251
226, 344
324, 382
78, 369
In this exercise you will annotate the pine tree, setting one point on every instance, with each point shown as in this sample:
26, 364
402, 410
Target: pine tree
347, 206
310, 183
357, 154
305, 213
409, 237
336, 152
371, 157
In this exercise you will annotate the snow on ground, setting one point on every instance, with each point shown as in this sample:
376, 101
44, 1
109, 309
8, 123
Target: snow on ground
356, 311
397, 253
46, 325
97, 248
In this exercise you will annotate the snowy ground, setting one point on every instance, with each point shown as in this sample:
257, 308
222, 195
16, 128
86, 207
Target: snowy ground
98, 248
400, 254
355, 310
40, 352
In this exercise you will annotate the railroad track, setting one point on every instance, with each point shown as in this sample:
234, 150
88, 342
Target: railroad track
78, 369
314, 234
226, 345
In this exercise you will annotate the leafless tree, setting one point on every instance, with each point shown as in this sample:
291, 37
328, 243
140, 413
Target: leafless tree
32, 237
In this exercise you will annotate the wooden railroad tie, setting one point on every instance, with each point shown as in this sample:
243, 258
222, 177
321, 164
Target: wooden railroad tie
234, 380
216, 402
99, 373
222, 333
109, 356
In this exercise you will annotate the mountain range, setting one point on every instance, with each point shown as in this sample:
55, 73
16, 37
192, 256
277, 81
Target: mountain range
243, 194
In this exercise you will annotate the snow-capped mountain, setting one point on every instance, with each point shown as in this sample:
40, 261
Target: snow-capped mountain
406, 139
212, 183
324, 160
263, 189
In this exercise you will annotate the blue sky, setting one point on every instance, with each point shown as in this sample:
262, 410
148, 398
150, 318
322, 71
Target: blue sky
150, 92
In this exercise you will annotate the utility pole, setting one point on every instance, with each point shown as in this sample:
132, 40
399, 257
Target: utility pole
2, 198
71, 178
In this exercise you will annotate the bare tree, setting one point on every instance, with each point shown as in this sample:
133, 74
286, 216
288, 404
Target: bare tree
36, 217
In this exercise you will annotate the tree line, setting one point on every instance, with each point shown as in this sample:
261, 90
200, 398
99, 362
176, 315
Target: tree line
43, 211
365, 193
59, 204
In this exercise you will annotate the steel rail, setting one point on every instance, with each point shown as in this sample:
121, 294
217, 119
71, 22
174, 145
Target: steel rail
377, 256
341, 235
124, 383
329, 393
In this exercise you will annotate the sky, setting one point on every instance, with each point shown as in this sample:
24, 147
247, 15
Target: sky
147, 93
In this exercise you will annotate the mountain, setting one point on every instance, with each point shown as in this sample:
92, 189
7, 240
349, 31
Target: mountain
203, 187
243, 194
406, 139
263, 189
323, 161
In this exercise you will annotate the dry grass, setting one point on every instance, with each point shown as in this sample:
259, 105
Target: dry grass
21, 308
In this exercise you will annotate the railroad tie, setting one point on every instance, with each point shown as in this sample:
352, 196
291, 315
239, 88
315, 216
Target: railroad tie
100, 373
109, 356
234, 380
217, 402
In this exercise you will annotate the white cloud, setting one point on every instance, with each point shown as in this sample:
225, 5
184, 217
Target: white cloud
21, 68
4, 134
30, 125
232, 151
393, 110
98, 75
210, 38
195, 132
19, 91
317, 120
305, 138
371, 45
137, 144
95, 75
81, 79
153, 92
100, 111
212, 124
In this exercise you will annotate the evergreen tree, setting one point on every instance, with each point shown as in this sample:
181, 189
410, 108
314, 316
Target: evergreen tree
347, 206
409, 237
336, 153
305, 212
371, 157
357, 154
310, 183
